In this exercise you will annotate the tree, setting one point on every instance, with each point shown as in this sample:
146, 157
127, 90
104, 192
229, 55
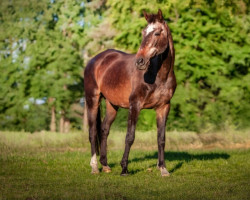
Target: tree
14, 25
53, 63
43, 45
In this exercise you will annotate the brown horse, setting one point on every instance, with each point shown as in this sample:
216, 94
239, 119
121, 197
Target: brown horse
134, 81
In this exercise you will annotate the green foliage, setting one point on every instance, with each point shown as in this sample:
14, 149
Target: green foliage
41, 59
43, 45
34, 122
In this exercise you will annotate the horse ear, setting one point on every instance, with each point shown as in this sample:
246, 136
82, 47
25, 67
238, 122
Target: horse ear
145, 15
160, 15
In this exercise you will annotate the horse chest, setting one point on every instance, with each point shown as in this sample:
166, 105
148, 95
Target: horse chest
157, 95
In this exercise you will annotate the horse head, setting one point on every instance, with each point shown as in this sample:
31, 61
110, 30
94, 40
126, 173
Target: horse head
156, 39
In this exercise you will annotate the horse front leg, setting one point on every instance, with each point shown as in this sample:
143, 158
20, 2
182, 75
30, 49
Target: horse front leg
161, 116
130, 137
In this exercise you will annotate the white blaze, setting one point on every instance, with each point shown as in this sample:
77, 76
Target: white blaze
150, 28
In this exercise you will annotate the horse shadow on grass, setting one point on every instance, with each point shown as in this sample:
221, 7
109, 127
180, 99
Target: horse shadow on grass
182, 157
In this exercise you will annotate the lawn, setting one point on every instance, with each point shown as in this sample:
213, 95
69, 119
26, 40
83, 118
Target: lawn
56, 166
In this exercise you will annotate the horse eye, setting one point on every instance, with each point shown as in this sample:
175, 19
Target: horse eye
158, 33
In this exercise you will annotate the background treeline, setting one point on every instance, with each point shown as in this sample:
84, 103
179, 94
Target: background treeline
45, 45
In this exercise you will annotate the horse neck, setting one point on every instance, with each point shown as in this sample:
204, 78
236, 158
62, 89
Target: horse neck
165, 62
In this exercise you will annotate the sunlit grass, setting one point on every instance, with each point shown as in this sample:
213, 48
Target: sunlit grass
56, 166
22, 141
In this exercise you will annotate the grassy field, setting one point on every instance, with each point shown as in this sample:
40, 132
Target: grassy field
56, 166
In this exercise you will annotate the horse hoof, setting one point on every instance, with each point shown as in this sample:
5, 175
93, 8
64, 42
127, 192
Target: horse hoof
106, 169
95, 171
124, 172
164, 171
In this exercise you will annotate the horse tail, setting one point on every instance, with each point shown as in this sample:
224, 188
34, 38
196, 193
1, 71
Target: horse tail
99, 129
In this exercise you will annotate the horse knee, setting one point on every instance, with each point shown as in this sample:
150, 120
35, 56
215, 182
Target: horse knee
130, 140
92, 138
161, 140
105, 132
161, 143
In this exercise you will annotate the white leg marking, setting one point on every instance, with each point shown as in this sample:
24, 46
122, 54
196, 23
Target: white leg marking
93, 164
93, 161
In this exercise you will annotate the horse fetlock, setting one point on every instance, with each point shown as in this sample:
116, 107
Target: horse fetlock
160, 164
124, 171
95, 170
103, 160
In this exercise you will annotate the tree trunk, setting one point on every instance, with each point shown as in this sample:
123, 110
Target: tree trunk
62, 121
66, 126
53, 116
53, 120
85, 119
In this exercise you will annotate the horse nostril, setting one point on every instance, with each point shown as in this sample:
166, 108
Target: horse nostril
140, 62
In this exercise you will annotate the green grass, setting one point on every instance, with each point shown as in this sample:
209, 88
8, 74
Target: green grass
56, 166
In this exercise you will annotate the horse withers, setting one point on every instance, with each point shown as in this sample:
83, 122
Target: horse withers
144, 80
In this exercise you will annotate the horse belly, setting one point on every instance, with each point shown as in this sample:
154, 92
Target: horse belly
116, 96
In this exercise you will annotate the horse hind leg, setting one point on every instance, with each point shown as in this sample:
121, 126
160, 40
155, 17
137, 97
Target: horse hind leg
93, 119
108, 120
